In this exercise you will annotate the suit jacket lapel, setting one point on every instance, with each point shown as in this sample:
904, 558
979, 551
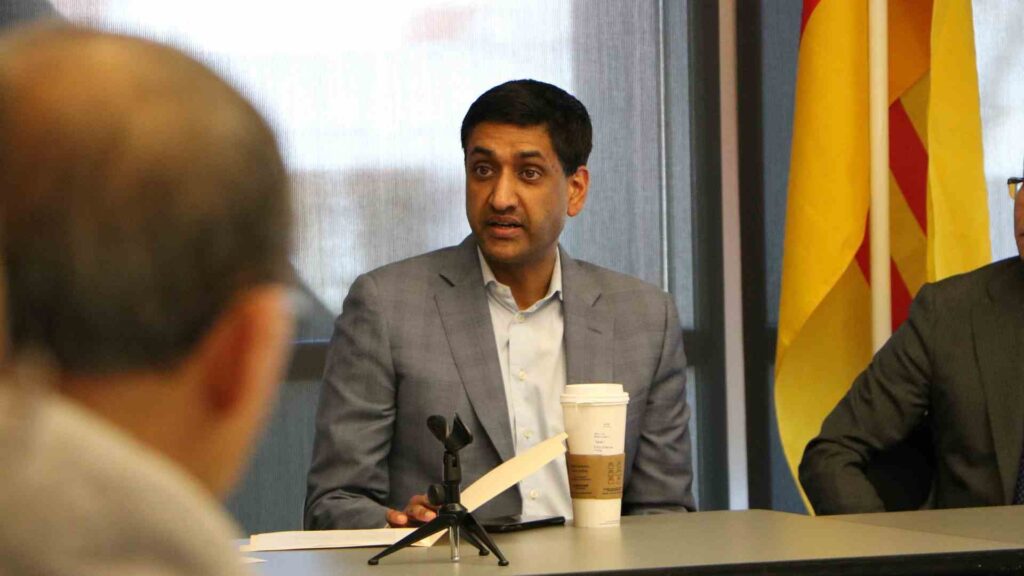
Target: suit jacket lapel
467, 324
588, 327
999, 336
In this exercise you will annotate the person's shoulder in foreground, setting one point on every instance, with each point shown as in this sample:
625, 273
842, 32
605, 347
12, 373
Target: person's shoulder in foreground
941, 373
146, 224
81, 497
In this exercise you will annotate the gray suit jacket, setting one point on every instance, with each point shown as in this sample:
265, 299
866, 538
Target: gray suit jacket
959, 360
415, 339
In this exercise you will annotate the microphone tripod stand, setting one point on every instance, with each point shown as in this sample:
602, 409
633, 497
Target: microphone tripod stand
451, 514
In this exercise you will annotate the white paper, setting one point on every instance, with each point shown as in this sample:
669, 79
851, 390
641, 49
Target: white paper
310, 539
476, 495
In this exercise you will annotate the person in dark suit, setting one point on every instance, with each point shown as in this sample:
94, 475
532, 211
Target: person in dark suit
955, 366
492, 330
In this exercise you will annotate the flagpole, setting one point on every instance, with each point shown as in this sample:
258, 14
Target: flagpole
878, 78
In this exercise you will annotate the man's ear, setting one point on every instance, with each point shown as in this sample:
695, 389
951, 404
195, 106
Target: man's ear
244, 353
579, 183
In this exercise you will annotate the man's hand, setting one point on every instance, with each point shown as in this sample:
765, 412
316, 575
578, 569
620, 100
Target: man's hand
418, 510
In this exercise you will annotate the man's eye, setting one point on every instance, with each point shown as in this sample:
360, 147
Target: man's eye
531, 174
482, 170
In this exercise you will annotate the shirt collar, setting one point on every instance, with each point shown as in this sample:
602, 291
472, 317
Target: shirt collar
554, 287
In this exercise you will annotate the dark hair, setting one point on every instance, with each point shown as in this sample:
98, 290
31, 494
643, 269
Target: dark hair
139, 194
533, 103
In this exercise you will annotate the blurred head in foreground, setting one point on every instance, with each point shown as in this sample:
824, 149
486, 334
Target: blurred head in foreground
145, 226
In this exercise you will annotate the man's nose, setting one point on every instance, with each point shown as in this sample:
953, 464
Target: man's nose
504, 197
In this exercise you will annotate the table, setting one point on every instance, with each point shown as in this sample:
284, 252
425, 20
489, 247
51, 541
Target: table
998, 523
736, 542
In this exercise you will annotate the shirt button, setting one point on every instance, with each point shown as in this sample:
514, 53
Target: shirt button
527, 434
519, 317
522, 375
534, 494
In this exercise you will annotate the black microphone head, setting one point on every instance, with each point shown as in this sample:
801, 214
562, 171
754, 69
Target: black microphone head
439, 426
459, 438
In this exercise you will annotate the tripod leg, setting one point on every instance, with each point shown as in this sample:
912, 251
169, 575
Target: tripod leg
434, 526
453, 542
469, 537
478, 531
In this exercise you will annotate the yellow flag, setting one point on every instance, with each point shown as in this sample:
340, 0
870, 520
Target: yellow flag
939, 214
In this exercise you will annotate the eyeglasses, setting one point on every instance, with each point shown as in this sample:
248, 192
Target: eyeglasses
1014, 186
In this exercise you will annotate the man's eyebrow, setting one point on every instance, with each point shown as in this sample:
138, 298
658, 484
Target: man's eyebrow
524, 155
530, 154
481, 150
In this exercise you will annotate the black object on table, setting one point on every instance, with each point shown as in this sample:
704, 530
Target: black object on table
451, 514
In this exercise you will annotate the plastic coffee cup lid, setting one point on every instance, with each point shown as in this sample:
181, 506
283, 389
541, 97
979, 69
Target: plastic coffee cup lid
594, 394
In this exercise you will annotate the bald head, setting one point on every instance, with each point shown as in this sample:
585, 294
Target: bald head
140, 193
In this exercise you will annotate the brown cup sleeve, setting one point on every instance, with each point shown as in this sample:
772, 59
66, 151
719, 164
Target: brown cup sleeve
595, 477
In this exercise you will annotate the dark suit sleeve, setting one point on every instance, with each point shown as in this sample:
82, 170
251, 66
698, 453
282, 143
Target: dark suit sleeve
348, 478
884, 405
662, 474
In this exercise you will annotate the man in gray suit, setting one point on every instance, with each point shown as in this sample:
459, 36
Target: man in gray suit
956, 367
492, 330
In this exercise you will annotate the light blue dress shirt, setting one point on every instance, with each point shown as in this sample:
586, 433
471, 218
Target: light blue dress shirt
531, 351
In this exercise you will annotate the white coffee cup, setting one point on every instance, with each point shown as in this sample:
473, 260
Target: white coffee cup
595, 420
